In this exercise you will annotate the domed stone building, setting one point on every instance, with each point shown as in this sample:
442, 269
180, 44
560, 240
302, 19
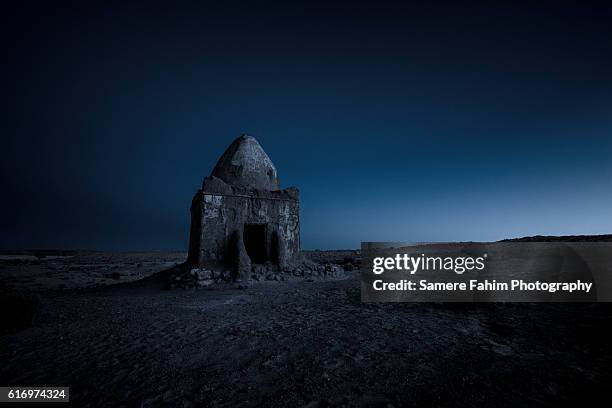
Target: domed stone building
240, 216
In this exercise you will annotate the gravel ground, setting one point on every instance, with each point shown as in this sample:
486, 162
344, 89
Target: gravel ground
305, 344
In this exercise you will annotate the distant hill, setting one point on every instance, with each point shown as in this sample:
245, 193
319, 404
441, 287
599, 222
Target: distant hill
563, 238
40, 253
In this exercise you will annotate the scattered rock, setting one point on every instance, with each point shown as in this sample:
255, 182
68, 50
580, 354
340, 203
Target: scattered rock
226, 275
202, 274
303, 269
205, 282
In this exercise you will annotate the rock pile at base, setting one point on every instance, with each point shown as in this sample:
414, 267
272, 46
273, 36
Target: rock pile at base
305, 269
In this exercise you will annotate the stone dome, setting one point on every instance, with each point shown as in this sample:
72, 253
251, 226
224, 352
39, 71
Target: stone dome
245, 164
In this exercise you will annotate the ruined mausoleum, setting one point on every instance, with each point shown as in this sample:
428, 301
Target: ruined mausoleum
241, 216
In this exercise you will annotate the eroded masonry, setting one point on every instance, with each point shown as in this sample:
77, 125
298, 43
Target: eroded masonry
241, 217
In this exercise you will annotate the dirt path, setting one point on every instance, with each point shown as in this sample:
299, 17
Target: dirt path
306, 343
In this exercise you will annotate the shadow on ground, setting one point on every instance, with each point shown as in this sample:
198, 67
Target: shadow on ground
305, 344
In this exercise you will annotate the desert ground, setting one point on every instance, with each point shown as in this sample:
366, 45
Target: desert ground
107, 326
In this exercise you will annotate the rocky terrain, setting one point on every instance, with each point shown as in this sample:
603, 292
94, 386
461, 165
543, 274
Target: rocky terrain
186, 276
562, 238
59, 270
289, 343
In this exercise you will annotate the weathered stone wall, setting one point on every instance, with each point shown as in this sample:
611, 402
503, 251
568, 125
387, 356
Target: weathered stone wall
218, 216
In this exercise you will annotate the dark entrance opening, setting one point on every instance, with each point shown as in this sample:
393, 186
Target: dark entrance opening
255, 242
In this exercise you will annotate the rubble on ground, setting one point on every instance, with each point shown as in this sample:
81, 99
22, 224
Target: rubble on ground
303, 269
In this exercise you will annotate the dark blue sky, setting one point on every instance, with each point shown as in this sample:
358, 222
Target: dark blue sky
397, 122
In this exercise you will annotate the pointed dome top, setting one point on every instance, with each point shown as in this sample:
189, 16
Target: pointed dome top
245, 164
